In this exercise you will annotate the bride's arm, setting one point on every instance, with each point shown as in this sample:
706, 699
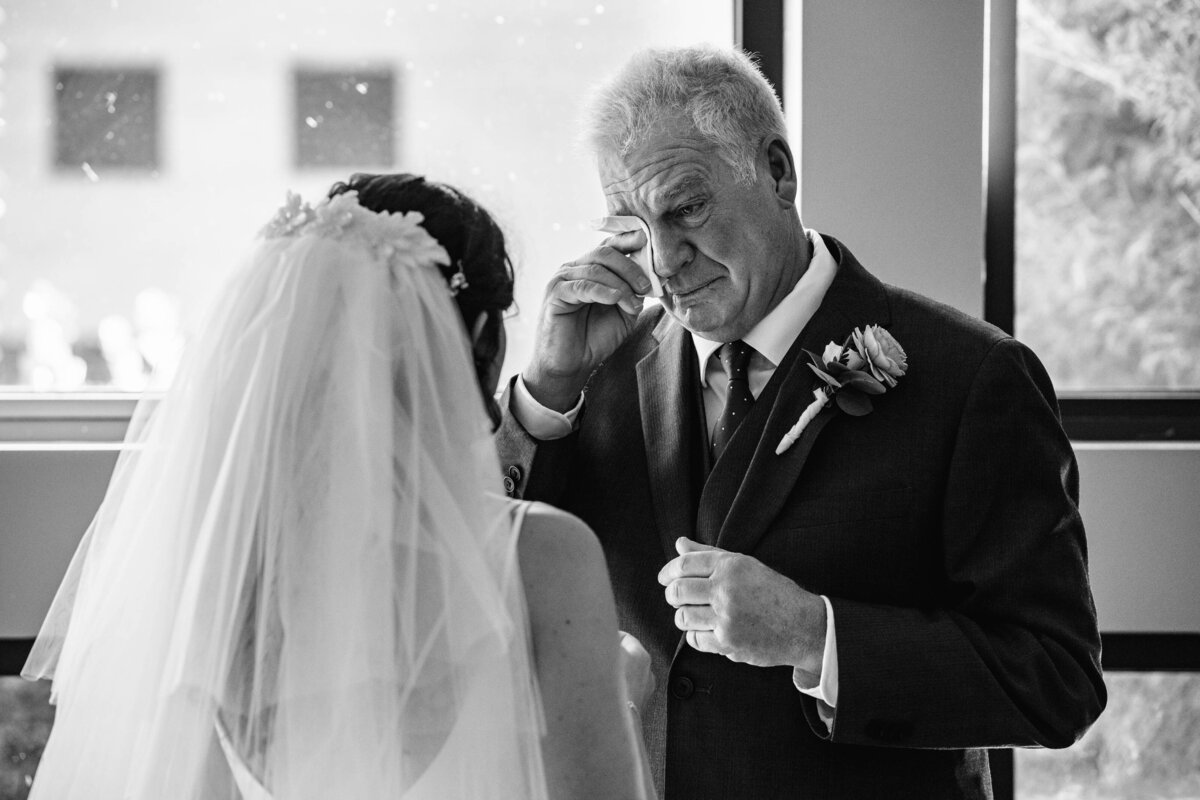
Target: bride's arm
638, 681
591, 747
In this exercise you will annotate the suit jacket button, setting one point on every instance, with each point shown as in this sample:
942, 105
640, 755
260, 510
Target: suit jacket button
514, 472
682, 687
510, 486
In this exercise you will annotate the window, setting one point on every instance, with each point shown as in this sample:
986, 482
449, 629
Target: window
25, 720
1145, 744
344, 119
106, 272
105, 118
1108, 187
1093, 230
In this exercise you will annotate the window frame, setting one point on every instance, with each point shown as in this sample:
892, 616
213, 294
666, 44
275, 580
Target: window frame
1097, 416
758, 27
36, 419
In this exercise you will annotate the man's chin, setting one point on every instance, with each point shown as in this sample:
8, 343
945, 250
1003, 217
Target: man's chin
703, 322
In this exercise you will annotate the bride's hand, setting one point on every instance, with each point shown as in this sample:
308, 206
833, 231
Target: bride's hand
635, 666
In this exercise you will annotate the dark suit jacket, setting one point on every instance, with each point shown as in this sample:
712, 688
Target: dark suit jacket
942, 526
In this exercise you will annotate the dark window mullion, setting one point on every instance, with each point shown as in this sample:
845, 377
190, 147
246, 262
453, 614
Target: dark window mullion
999, 282
758, 29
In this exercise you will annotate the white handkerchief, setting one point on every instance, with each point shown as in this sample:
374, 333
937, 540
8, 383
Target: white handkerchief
644, 258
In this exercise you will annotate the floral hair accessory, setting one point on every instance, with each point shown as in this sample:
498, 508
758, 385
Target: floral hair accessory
869, 362
398, 239
290, 217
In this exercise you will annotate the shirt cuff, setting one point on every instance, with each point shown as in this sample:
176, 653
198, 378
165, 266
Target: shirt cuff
826, 689
540, 422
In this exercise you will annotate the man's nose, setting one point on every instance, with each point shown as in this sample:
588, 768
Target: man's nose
671, 252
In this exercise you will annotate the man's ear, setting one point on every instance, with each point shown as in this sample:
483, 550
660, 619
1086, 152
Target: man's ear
782, 169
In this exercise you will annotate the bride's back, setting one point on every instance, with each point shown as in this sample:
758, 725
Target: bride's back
299, 581
589, 746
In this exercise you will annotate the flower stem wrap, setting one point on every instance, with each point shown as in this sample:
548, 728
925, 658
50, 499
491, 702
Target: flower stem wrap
820, 400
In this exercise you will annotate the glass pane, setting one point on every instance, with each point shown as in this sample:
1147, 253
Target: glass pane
25, 720
1108, 191
128, 194
1146, 745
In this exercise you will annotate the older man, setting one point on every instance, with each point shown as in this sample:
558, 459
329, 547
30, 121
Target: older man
857, 613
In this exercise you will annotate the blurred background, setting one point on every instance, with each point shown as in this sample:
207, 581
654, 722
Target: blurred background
145, 142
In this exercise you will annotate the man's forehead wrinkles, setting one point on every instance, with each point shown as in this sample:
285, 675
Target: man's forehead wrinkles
661, 187
649, 180
620, 185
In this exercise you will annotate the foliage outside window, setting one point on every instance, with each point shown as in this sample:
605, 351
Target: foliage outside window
1146, 744
1108, 191
26, 717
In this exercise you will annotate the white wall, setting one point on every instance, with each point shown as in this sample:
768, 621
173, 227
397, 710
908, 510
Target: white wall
47, 500
1142, 511
893, 110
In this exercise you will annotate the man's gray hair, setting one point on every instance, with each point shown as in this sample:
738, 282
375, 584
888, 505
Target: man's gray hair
720, 90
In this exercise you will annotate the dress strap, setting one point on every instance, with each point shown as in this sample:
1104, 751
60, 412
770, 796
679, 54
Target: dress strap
516, 512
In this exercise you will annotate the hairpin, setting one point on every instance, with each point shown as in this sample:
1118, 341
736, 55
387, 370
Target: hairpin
458, 281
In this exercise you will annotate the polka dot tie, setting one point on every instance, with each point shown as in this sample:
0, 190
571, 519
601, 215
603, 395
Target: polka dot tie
735, 358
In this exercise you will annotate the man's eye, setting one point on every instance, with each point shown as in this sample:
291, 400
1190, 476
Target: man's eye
690, 210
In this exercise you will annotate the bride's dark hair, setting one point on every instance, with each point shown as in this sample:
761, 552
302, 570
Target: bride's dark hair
471, 237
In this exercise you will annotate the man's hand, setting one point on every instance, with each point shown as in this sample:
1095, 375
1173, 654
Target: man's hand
734, 605
591, 305
635, 667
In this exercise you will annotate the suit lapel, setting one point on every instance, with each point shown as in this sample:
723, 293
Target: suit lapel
673, 429
730, 478
750, 483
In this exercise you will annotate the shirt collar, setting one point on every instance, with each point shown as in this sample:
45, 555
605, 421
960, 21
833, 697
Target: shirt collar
774, 334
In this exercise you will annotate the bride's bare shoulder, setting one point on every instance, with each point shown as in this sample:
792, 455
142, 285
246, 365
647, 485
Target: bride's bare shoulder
574, 641
557, 534
558, 547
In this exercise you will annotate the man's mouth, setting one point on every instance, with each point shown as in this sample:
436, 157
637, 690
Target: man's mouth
678, 294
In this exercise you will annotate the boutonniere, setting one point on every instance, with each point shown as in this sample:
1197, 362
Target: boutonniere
868, 362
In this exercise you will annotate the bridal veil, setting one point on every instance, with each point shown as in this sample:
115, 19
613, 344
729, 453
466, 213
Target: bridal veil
299, 574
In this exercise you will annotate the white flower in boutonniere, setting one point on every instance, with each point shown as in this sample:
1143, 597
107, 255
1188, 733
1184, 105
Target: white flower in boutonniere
869, 362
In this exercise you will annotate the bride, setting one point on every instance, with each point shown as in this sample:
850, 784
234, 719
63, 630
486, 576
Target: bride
302, 584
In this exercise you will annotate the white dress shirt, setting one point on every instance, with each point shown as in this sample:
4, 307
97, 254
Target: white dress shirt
771, 338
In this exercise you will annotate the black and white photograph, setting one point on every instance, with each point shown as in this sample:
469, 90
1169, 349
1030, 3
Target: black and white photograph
606, 400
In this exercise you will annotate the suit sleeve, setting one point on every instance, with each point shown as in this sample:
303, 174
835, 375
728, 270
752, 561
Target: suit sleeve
539, 469
1009, 655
